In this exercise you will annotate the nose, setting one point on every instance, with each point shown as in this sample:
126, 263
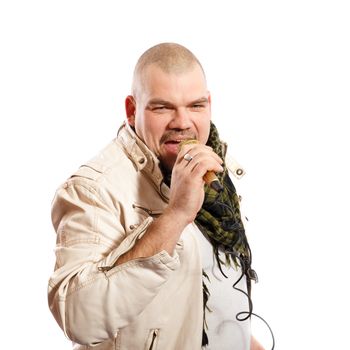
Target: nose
181, 119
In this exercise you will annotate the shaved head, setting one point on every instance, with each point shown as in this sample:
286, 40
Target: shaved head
169, 102
169, 57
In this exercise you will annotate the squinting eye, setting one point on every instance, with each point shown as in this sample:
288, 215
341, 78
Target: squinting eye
197, 106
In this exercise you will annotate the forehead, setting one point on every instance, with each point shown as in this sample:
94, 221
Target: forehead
189, 84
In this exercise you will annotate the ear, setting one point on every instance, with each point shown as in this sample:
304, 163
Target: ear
130, 108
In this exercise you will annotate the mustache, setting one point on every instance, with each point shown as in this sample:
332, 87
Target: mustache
174, 134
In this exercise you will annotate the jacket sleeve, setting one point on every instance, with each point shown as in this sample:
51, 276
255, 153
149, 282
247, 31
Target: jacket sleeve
89, 297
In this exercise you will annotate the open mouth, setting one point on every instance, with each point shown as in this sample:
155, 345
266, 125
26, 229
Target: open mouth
172, 146
172, 142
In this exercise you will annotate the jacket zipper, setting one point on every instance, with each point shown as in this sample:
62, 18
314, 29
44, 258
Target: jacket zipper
148, 211
154, 336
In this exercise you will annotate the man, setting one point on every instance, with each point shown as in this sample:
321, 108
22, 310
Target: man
138, 253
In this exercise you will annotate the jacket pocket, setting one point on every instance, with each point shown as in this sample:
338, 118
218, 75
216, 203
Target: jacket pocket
152, 340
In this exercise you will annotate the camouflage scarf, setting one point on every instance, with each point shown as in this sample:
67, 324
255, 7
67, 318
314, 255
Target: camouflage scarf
220, 221
220, 217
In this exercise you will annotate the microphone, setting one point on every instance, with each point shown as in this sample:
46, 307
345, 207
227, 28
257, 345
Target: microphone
209, 177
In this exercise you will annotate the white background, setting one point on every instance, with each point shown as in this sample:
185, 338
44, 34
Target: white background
279, 76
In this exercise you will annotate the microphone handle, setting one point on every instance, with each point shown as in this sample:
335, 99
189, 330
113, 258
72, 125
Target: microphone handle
211, 180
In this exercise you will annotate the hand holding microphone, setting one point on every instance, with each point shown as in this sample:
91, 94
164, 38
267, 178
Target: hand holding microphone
209, 178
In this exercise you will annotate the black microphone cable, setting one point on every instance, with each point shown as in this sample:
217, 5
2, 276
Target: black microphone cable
250, 312
245, 263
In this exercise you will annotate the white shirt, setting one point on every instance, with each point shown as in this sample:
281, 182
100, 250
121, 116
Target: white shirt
224, 331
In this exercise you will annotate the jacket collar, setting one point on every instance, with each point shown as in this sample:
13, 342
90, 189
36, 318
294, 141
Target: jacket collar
142, 157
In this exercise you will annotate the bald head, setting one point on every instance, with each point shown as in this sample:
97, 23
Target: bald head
169, 57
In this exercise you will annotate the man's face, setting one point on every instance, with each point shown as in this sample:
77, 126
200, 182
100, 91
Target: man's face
170, 108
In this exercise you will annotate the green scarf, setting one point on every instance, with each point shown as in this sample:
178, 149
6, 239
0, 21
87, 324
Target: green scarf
220, 221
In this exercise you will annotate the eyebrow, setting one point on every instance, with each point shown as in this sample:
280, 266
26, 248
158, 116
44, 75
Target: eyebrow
200, 100
159, 101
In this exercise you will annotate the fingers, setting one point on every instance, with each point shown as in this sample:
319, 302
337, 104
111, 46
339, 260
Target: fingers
193, 149
199, 159
201, 164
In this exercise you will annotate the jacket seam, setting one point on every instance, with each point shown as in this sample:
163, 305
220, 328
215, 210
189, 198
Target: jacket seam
84, 284
101, 174
83, 182
91, 192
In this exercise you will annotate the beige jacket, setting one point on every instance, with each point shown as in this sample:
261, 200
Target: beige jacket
98, 214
